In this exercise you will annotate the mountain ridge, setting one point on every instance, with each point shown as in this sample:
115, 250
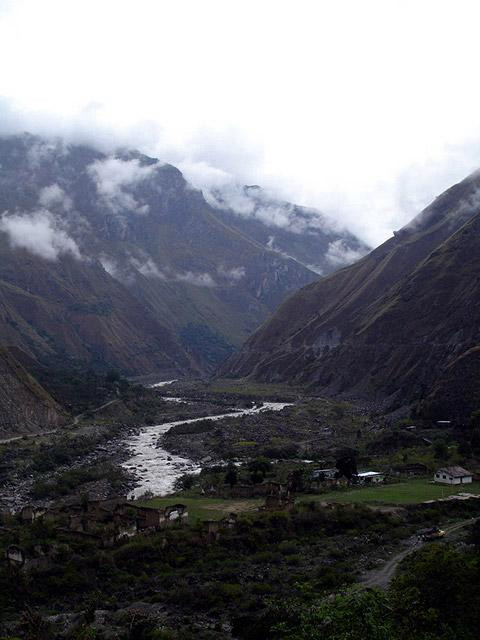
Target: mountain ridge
354, 331
116, 261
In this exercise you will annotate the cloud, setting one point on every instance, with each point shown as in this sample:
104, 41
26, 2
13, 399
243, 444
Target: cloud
39, 233
113, 176
273, 247
202, 175
339, 254
234, 274
365, 205
41, 150
110, 266
53, 196
262, 205
148, 268
341, 144
288, 217
197, 279
231, 196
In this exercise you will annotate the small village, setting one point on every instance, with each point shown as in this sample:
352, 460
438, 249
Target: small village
112, 522
196, 517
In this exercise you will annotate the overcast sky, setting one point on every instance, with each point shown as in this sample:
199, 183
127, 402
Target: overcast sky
366, 109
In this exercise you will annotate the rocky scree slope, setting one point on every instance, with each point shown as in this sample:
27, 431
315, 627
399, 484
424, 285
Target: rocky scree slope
24, 405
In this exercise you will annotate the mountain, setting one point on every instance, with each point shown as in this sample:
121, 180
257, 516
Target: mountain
116, 261
300, 233
401, 325
24, 405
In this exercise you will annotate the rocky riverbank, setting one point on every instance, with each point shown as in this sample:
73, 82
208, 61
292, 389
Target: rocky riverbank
311, 428
156, 468
53, 469
95, 456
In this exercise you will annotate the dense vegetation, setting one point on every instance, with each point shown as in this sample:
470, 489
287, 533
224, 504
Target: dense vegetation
268, 578
286, 574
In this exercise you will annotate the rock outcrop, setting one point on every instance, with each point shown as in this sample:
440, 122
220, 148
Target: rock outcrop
25, 407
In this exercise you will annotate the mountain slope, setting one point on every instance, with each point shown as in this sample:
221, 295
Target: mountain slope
300, 233
390, 326
115, 260
24, 405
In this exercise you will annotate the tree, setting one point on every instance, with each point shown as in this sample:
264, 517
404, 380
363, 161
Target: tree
352, 615
296, 481
474, 534
347, 466
258, 469
185, 482
475, 441
475, 419
465, 449
441, 450
231, 475
437, 590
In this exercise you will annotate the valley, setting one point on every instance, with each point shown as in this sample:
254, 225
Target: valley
261, 530
201, 488
138, 270
239, 320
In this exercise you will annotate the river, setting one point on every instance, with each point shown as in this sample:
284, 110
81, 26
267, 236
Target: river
155, 468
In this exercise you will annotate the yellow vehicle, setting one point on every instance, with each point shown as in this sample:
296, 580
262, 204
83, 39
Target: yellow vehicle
433, 533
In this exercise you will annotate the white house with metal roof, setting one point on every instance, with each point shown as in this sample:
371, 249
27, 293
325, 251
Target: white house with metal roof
453, 475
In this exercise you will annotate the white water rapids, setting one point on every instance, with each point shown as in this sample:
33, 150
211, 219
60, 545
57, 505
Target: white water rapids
155, 468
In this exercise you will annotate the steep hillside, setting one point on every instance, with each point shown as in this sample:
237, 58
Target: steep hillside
301, 233
393, 326
117, 261
24, 405
74, 311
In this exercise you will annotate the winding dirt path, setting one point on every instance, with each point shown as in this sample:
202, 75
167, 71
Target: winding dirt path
381, 577
76, 420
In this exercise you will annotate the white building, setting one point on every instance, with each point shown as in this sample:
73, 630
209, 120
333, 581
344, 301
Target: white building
453, 475
324, 474
370, 477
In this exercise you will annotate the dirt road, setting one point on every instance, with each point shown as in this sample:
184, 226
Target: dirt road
76, 420
381, 577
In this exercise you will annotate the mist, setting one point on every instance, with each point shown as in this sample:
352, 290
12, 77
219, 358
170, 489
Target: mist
40, 233
338, 107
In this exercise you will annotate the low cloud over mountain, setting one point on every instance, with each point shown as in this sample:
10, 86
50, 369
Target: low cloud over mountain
95, 240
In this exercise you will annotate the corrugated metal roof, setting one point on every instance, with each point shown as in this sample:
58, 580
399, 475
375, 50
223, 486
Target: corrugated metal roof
367, 474
455, 471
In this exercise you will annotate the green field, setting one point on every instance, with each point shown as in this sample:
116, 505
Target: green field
408, 492
207, 508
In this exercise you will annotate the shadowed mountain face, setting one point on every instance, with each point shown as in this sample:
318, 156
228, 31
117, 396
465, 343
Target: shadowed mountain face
115, 261
402, 324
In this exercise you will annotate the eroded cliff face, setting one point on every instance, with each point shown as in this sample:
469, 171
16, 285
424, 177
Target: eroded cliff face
393, 326
25, 407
